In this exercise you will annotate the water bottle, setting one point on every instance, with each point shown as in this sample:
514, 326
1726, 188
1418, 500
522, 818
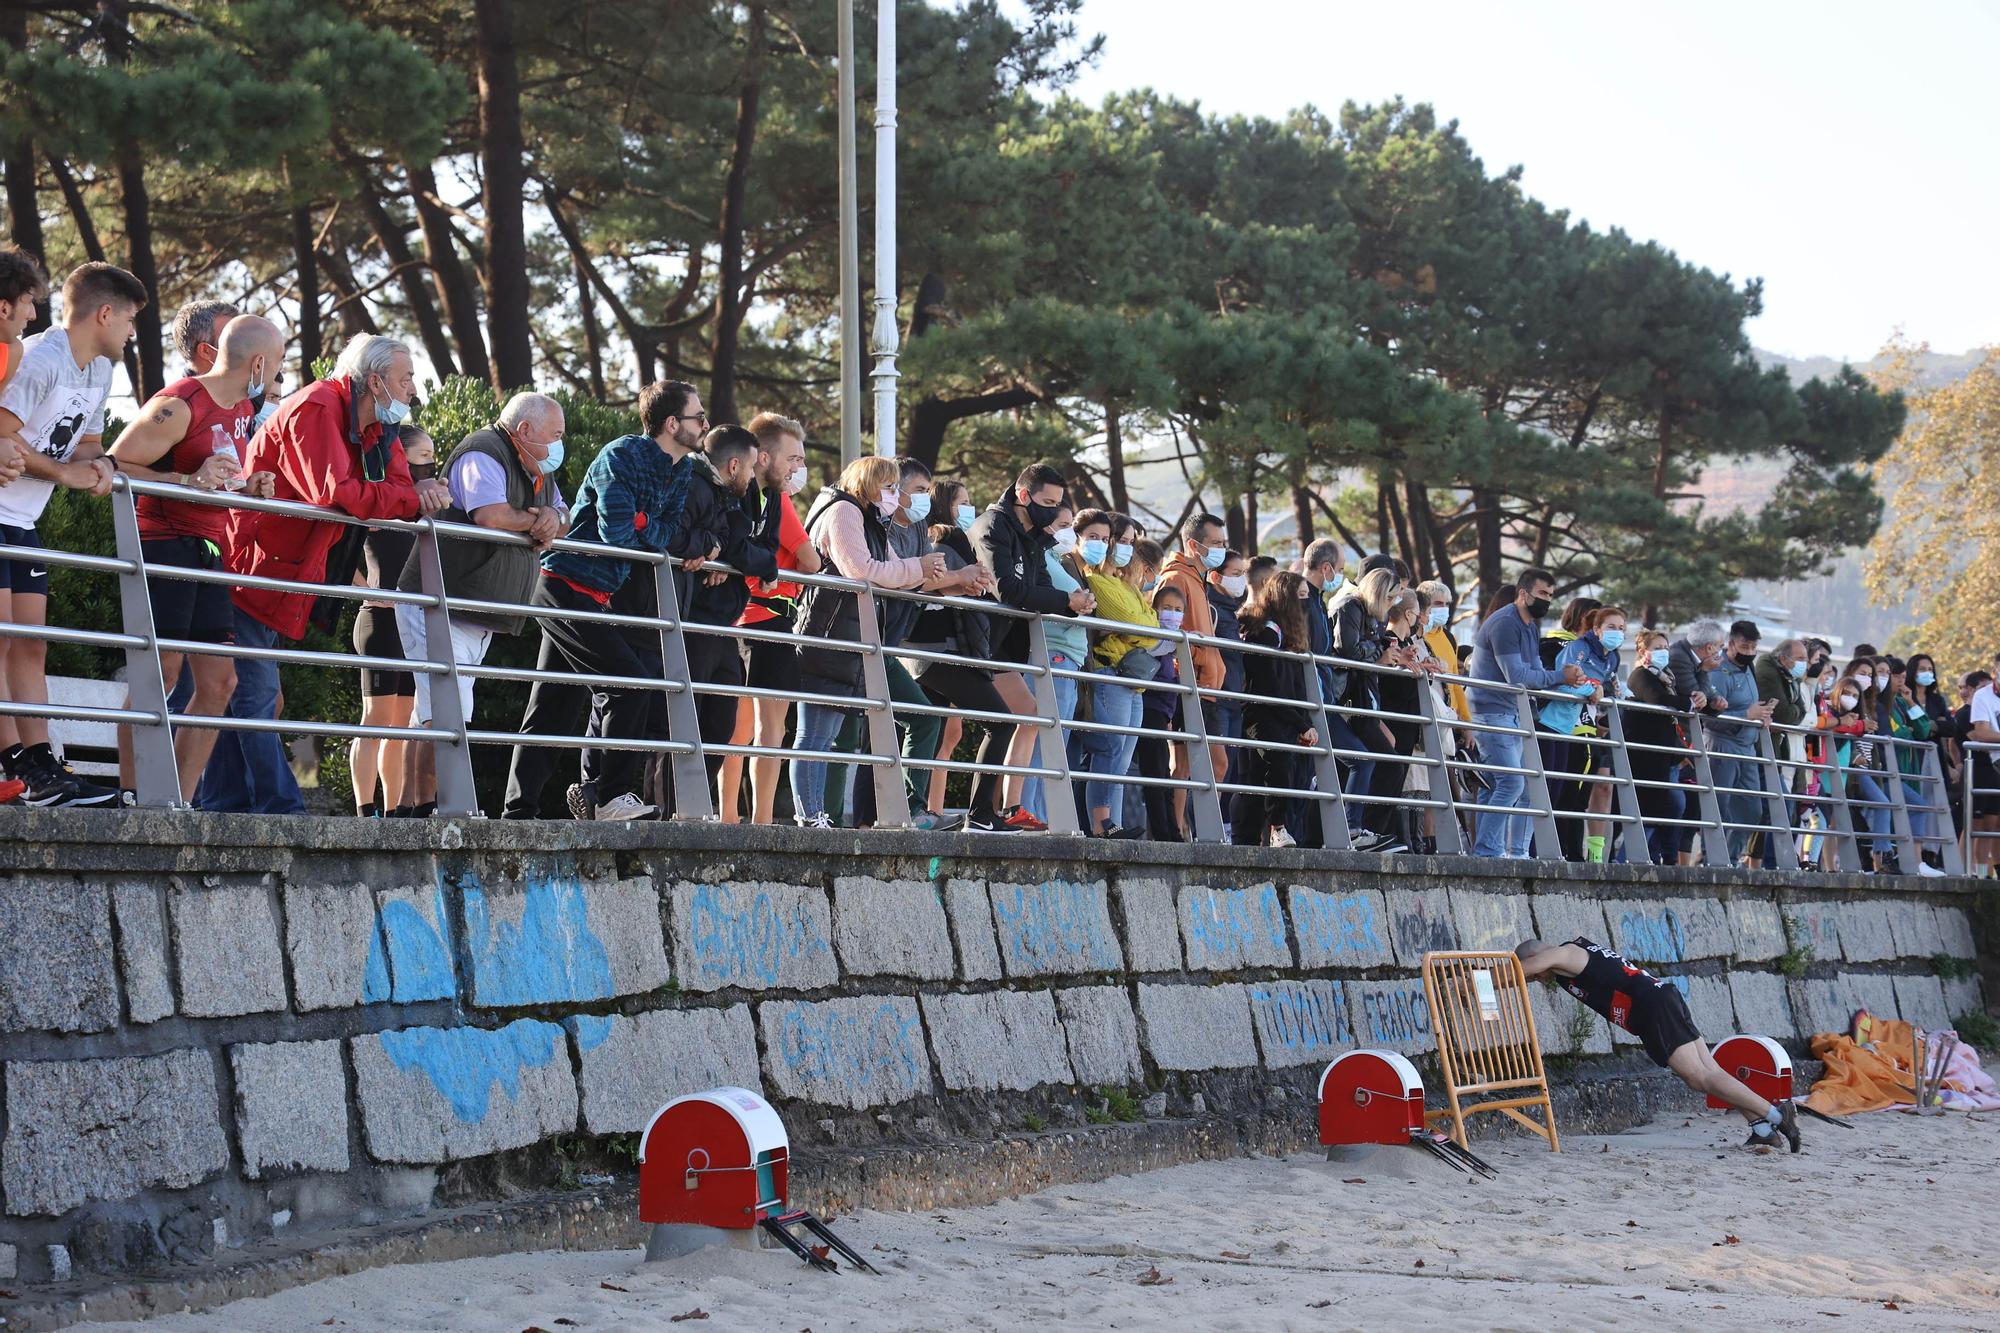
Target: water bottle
220, 442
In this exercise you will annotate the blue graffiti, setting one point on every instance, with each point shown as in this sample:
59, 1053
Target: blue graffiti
1403, 1015
1302, 1018
1222, 923
464, 1064
408, 956
551, 957
1056, 926
748, 944
881, 1052
1655, 937
1335, 924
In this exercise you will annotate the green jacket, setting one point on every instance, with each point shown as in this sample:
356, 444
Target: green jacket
1774, 682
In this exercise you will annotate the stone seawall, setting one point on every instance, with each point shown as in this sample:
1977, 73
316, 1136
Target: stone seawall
214, 1030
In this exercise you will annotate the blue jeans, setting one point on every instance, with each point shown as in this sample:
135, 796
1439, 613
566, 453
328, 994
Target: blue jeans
817, 727
248, 771
1920, 818
1738, 772
1033, 799
1503, 835
1877, 819
1108, 753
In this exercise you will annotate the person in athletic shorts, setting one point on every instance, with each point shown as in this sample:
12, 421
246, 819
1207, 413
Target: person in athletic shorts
1651, 1009
388, 697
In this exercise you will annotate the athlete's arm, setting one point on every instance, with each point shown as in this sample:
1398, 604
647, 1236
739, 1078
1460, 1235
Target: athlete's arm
1563, 959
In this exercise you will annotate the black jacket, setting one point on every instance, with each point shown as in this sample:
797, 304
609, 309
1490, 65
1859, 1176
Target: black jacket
744, 528
1276, 676
954, 628
1224, 608
828, 613
1357, 636
1016, 559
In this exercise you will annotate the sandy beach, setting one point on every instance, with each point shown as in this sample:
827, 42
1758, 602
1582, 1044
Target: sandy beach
1671, 1225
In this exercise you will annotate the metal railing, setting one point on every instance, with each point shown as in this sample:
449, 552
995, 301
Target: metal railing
1794, 789
1970, 792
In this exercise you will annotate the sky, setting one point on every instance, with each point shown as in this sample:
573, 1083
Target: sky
1842, 152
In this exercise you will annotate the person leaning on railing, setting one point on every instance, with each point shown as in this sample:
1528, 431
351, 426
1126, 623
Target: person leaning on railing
1733, 744
1506, 650
1069, 561
332, 444
1227, 588
1852, 756
501, 477
1275, 618
1119, 659
1782, 681
952, 503
1656, 746
1203, 550
849, 524
1928, 694
389, 697
1902, 719
1400, 698
1980, 727
1594, 647
1358, 625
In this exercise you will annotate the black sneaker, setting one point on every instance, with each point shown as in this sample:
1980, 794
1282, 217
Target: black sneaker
1370, 841
1789, 1125
52, 782
582, 802
989, 822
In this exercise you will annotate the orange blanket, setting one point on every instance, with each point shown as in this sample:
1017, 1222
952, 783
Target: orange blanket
1868, 1077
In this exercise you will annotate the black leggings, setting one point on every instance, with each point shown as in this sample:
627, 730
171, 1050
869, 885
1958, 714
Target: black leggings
949, 684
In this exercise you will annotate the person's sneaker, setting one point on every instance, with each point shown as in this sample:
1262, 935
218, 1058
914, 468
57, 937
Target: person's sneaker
11, 790
52, 782
930, 823
1025, 820
626, 806
1929, 871
1368, 840
989, 823
1766, 1142
1789, 1125
1282, 837
582, 802
1123, 834
822, 820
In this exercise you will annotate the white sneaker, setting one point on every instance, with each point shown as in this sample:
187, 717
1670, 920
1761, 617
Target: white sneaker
626, 807
1282, 837
1929, 871
822, 820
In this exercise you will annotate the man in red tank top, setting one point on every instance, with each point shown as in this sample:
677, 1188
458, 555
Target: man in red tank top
193, 433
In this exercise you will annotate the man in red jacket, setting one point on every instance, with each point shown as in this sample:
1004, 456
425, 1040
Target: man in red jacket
333, 444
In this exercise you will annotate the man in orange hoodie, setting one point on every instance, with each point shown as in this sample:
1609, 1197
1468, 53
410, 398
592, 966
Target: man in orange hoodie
1204, 546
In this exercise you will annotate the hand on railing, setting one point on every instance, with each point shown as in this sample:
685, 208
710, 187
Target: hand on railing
548, 526
1761, 711
433, 496
694, 562
92, 475
1572, 674
215, 473
1082, 603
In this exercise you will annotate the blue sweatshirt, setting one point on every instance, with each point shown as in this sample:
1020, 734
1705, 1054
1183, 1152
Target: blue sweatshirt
1508, 649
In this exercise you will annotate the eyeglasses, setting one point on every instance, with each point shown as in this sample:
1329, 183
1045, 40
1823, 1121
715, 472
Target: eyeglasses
702, 417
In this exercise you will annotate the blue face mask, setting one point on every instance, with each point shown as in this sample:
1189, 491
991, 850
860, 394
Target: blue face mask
1121, 554
1439, 615
1093, 551
389, 413
1659, 656
1927, 678
1612, 639
1150, 584
555, 458
966, 514
1799, 669
1214, 556
920, 507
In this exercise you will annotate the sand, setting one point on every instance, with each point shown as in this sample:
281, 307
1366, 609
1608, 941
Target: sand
1671, 1225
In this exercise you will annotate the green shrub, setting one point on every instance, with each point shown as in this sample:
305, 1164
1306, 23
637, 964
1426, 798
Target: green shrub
1950, 968
1978, 1030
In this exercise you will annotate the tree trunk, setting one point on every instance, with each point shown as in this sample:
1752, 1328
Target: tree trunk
732, 301
454, 285
930, 418
1381, 515
394, 239
1114, 457
1486, 524
79, 209
349, 306
1234, 526
593, 337
149, 332
501, 160
1249, 546
303, 254
1302, 515
1394, 504
24, 212
1424, 527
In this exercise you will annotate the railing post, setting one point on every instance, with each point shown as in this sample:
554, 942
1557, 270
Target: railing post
1326, 769
1785, 847
1451, 840
693, 797
892, 793
1907, 847
1058, 796
1204, 803
1625, 790
1714, 837
155, 774
1940, 808
457, 793
1548, 841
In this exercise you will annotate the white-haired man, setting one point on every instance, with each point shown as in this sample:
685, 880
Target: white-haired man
333, 443
502, 477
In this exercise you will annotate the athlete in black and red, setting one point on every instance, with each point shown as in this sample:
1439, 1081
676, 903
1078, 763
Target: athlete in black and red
1653, 1010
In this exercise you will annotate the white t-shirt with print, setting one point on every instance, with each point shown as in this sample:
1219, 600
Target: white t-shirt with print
58, 404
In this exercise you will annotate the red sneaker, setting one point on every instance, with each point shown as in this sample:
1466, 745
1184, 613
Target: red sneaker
10, 790
1021, 819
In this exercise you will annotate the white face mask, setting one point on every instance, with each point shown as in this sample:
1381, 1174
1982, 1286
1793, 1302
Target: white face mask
1065, 540
797, 481
1865, 682
1235, 584
1848, 701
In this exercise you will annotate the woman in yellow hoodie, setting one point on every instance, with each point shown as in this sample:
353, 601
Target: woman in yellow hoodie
1119, 659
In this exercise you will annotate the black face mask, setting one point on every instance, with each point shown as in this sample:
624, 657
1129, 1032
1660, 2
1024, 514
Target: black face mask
1040, 516
1538, 608
1745, 660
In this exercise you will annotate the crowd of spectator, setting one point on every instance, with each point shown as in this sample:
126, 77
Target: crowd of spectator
1299, 678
